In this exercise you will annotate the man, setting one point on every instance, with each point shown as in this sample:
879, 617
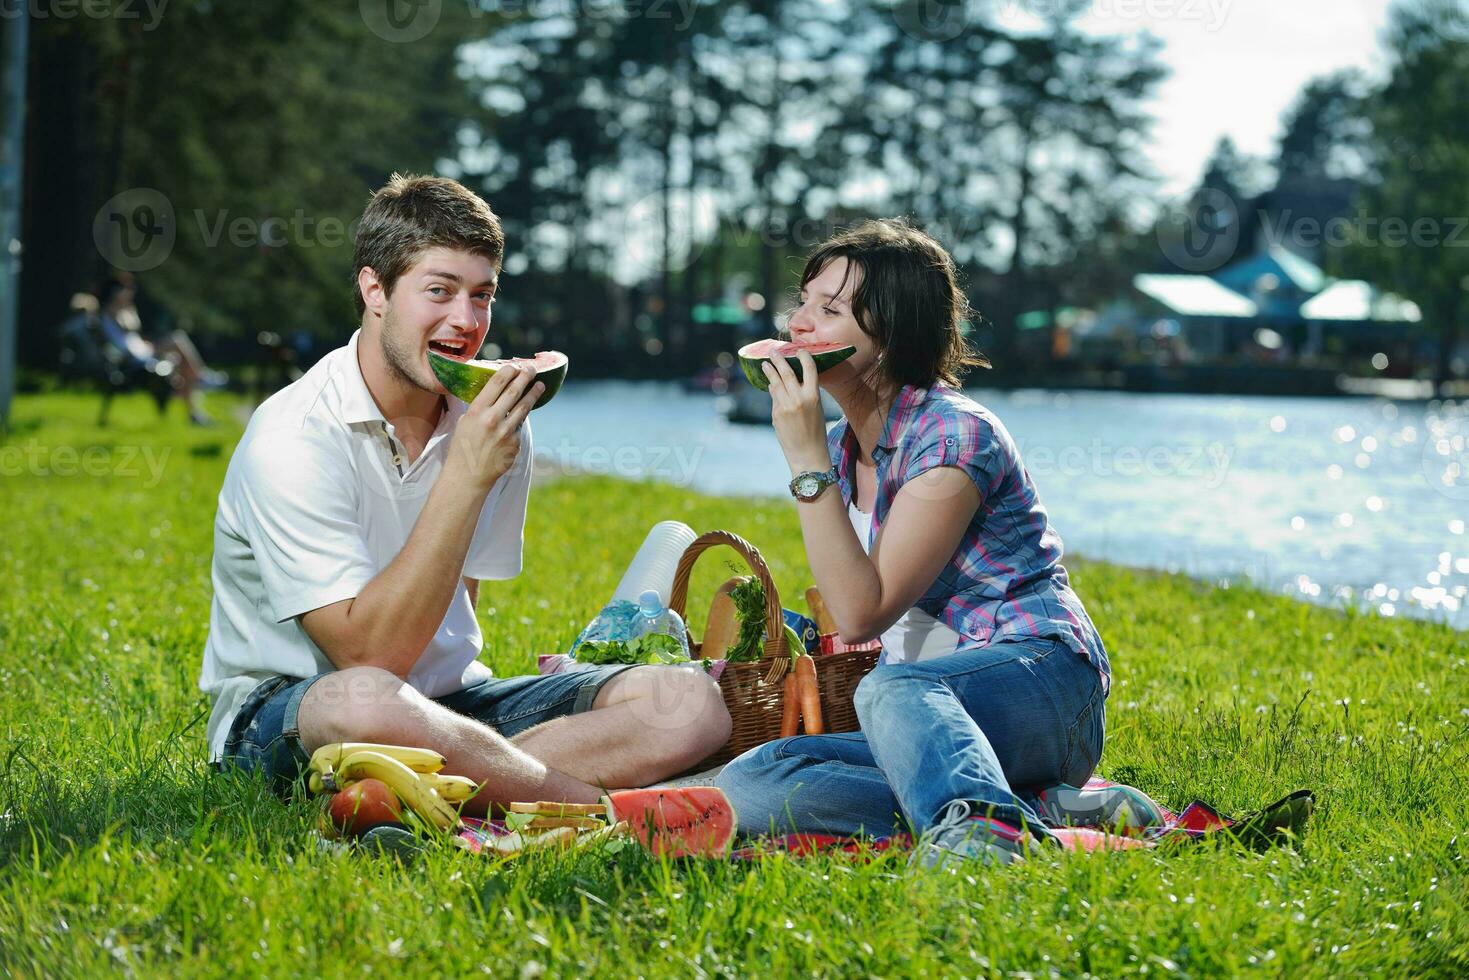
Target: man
359, 514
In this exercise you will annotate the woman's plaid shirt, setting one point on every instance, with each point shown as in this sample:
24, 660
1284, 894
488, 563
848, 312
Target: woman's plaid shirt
1006, 579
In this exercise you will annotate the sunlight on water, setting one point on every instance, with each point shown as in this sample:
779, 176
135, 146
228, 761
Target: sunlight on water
1332, 500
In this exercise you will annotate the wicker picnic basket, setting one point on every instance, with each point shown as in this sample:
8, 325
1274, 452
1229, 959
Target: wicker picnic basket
754, 691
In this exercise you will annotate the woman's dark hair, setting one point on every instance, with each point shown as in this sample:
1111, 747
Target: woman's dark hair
907, 299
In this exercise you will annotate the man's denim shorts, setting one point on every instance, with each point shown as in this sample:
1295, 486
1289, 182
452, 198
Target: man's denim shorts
266, 733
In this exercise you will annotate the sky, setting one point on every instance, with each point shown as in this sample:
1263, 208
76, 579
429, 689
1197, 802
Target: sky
1237, 65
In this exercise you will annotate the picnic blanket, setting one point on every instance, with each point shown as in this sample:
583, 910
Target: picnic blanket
1281, 821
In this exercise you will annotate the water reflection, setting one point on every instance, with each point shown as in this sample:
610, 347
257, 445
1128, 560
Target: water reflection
1331, 500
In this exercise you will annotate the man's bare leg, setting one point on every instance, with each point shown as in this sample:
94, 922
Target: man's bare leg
646, 724
366, 704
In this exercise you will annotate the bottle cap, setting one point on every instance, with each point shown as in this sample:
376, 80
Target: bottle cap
650, 603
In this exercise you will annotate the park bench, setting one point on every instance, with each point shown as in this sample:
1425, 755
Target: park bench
86, 357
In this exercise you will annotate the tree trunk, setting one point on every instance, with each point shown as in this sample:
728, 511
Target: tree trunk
1013, 291
693, 353
770, 164
665, 185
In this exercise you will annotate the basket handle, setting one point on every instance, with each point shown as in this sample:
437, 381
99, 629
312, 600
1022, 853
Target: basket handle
775, 639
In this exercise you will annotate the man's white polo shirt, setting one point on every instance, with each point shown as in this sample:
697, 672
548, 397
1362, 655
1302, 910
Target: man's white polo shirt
318, 499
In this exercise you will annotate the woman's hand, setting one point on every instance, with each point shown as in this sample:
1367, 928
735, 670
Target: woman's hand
795, 411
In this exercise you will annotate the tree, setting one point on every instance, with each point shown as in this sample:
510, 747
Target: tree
1326, 131
1411, 239
1232, 172
607, 134
549, 121
1015, 148
257, 131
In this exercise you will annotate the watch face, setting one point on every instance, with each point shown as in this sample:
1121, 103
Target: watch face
808, 486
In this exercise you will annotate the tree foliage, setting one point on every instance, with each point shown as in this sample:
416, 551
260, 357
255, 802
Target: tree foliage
643, 156
265, 125
1412, 237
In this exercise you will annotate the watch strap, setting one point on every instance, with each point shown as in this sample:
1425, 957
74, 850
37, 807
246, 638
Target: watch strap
823, 480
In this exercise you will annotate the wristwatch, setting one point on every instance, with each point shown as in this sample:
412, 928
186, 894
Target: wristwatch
808, 485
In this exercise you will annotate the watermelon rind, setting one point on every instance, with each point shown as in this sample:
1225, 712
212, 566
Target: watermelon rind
683, 821
751, 359
466, 379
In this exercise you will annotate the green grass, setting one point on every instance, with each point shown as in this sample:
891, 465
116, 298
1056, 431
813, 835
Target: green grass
119, 850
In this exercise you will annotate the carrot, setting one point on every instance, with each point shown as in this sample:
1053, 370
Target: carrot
790, 717
810, 694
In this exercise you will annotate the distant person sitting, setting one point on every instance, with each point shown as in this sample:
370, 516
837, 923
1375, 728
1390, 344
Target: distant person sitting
81, 337
123, 328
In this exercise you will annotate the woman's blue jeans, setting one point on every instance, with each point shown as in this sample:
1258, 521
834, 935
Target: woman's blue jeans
990, 726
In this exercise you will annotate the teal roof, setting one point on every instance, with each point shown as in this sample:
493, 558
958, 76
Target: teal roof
1280, 262
1276, 285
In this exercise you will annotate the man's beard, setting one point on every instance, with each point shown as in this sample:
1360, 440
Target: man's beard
400, 360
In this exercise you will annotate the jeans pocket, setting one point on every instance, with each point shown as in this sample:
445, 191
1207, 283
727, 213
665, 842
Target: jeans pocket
284, 759
1084, 744
1095, 737
247, 742
1070, 772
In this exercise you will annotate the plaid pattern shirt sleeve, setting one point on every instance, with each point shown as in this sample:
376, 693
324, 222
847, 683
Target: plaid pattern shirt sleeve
964, 442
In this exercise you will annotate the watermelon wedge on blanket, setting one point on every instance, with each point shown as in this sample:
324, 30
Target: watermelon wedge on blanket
692, 821
753, 356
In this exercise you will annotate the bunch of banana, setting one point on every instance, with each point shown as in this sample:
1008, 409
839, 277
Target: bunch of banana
411, 773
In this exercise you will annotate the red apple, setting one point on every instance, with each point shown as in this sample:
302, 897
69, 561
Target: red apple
364, 804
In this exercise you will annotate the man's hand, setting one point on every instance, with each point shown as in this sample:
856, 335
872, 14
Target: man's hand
487, 439
393, 619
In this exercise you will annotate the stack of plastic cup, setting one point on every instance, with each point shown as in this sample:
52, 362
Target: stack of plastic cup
656, 562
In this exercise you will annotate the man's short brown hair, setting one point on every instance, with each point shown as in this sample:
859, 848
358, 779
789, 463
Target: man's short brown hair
412, 214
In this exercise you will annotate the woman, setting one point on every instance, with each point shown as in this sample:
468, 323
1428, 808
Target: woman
923, 528
174, 357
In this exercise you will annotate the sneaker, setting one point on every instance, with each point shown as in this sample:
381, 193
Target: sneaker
1109, 806
962, 834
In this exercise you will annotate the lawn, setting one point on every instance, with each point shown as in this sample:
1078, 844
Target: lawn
120, 850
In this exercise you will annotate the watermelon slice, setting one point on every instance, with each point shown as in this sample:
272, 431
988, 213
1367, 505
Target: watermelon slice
692, 821
465, 379
752, 356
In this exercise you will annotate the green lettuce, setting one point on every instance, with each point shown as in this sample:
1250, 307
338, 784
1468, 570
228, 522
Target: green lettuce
651, 648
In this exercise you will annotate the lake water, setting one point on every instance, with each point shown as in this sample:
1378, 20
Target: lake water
1332, 500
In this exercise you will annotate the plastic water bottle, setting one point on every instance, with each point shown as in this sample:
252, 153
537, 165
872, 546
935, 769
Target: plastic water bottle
618, 621
656, 562
655, 617
651, 570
